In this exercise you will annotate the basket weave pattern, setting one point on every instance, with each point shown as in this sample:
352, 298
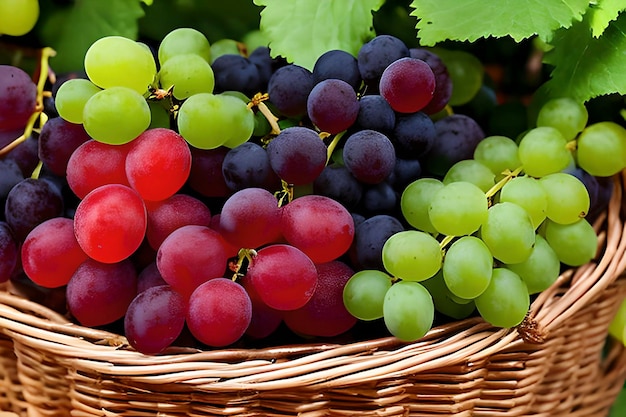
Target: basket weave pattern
557, 363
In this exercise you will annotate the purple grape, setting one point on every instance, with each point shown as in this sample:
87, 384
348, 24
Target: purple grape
369, 238
265, 64
405, 172
19, 96
297, 155
338, 183
10, 175
457, 138
206, 176
375, 114
339, 65
332, 105
289, 88
236, 73
29, 203
155, 318
57, 141
248, 165
379, 199
8, 252
414, 134
369, 156
26, 155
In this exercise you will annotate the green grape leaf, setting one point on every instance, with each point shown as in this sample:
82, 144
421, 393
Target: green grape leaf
603, 12
469, 20
302, 30
71, 31
585, 66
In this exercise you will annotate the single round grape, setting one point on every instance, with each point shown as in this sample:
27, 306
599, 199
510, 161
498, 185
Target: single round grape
466, 72
219, 312
339, 65
565, 114
181, 41
567, 197
370, 156
601, 149
364, 294
505, 302
575, 244
542, 151
116, 61
377, 54
458, 209
541, 269
116, 115
58, 139
407, 84
508, 232
415, 202
18, 17
189, 74
370, 237
499, 153
408, 310
413, 134
471, 170
71, 98
527, 193
19, 96
289, 88
467, 267
332, 105
412, 255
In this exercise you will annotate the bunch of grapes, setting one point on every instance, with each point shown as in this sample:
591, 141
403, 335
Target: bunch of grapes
233, 194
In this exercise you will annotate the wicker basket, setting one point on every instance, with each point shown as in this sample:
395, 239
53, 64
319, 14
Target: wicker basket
559, 362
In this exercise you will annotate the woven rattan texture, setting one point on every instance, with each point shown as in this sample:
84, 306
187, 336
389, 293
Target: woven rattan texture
559, 362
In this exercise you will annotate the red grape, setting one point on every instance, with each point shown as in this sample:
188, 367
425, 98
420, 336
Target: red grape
408, 85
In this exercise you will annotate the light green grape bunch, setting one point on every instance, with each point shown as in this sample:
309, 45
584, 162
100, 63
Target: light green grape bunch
495, 230
125, 94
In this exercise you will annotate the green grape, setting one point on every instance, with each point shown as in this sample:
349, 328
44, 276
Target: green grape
255, 39
208, 121
565, 114
466, 72
575, 244
408, 310
617, 327
601, 149
116, 115
116, 61
541, 269
364, 293
567, 197
224, 47
527, 193
182, 41
189, 74
415, 201
505, 302
159, 115
508, 233
412, 255
542, 151
18, 17
458, 209
467, 267
71, 98
499, 153
473, 171
446, 302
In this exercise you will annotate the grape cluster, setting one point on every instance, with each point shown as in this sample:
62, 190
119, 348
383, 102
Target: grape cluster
229, 194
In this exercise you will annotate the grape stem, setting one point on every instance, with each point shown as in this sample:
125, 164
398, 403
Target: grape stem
44, 73
243, 255
257, 101
285, 193
508, 176
333, 144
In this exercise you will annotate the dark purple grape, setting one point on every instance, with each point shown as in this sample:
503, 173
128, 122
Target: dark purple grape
339, 65
57, 141
248, 165
369, 155
338, 183
26, 154
10, 175
289, 88
8, 252
375, 114
155, 319
264, 63
297, 155
376, 55
206, 176
332, 105
457, 138
378, 199
405, 172
413, 134
236, 73
443, 82
29, 203
369, 238
19, 96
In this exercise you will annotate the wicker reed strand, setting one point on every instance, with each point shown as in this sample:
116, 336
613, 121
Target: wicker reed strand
559, 362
